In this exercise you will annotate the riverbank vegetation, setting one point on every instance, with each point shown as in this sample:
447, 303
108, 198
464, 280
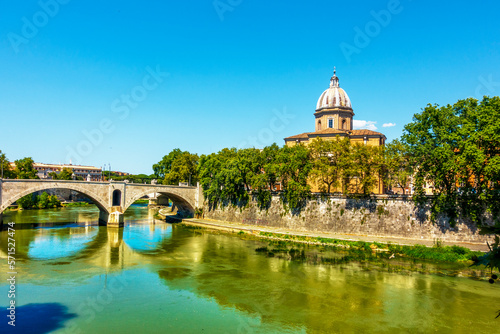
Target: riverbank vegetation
73, 204
43, 201
142, 201
436, 253
132, 178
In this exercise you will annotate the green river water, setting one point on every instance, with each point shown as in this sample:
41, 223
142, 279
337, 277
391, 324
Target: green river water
154, 277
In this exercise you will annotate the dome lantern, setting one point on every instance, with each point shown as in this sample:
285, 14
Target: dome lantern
334, 96
334, 81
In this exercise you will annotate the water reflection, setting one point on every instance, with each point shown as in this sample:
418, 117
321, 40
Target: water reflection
182, 280
106, 246
62, 242
147, 238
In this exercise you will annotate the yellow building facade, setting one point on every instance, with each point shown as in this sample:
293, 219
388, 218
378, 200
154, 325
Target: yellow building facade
334, 117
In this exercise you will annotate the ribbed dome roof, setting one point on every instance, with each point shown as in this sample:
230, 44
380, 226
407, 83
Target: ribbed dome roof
334, 96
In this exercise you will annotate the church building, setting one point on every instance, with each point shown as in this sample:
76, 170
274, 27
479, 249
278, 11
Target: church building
333, 117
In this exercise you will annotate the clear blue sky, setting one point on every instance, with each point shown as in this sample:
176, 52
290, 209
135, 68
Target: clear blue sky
230, 68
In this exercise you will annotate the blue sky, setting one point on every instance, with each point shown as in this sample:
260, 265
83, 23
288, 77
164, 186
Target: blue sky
126, 82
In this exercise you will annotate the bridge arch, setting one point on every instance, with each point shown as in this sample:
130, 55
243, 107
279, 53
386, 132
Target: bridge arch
104, 195
99, 202
182, 203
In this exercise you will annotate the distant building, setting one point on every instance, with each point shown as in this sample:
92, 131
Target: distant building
120, 173
85, 172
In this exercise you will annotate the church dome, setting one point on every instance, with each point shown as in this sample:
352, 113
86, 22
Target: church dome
334, 97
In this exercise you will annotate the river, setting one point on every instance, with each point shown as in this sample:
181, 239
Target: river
154, 277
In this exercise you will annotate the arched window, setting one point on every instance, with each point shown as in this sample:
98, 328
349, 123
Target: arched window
117, 197
343, 124
319, 125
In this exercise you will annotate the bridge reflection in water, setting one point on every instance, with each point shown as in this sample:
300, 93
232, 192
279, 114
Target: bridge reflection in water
95, 245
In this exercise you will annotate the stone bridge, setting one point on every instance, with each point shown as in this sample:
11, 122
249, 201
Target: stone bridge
112, 198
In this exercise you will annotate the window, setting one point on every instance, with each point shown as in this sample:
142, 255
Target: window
319, 125
343, 124
330, 123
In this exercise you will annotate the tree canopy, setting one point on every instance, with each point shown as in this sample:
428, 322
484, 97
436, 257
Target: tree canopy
177, 166
8, 173
165, 164
183, 169
24, 169
456, 149
397, 169
330, 159
65, 174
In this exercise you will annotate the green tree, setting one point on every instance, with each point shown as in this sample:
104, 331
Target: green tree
397, 167
42, 201
330, 160
26, 202
248, 164
265, 176
164, 166
294, 168
65, 174
270, 164
53, 202
221, 178
210, 180
456, 148
24, 169
363, 169
233, 178
183, 169
8, 173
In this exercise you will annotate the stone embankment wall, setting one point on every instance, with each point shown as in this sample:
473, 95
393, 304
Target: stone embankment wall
379, 216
